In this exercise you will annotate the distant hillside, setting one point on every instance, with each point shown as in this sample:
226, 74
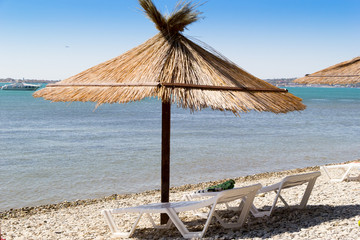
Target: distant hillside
279, 82
283, 82
275, 81
9, 80
288, 82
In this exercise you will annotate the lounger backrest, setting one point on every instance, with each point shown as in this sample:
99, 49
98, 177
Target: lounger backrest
237, 193
294, 180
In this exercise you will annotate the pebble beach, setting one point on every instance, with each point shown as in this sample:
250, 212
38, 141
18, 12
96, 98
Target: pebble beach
333, 212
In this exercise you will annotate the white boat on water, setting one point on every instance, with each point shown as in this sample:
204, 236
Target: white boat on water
21, 86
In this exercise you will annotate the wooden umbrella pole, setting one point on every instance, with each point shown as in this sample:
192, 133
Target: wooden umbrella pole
165, 156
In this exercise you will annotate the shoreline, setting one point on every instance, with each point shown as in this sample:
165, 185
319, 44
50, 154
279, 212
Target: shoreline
24, 211
333, 212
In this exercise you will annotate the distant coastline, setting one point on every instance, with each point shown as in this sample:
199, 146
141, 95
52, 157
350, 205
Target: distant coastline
12, 80
279, 82
288, 82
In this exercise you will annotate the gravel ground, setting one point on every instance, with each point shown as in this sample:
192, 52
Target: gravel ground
333, 212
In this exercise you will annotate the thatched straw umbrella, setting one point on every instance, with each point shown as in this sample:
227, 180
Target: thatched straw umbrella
176, 70
347, 72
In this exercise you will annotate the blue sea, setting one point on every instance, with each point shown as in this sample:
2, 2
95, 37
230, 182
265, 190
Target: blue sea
51, 152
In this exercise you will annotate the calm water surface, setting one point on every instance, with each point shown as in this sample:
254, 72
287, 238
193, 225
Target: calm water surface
51, 152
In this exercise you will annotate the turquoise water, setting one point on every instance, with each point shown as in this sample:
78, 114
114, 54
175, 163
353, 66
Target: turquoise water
51, 152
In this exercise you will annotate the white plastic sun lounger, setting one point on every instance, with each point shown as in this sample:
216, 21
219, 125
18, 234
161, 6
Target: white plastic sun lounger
346, 168
287, 182
173, 208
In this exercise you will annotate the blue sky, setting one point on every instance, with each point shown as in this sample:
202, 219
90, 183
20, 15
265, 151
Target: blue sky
55, 39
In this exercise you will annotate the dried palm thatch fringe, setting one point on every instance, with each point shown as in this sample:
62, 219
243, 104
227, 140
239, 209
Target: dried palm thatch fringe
347, 72
183, 15
175, 69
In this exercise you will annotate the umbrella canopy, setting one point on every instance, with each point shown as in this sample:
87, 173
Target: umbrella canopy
347, 72
173, 68
176, 70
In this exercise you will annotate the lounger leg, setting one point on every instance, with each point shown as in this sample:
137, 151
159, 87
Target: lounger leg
345, 168
113, 227
178, 223
167, 226
182, 228
188, 197
110, 221
211, 214
346, 173
256, 213
326, 172
307, 193
246, 206
241, 205
275, 201
283, 200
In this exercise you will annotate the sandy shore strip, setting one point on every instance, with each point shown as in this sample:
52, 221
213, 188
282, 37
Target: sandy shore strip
333, 212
